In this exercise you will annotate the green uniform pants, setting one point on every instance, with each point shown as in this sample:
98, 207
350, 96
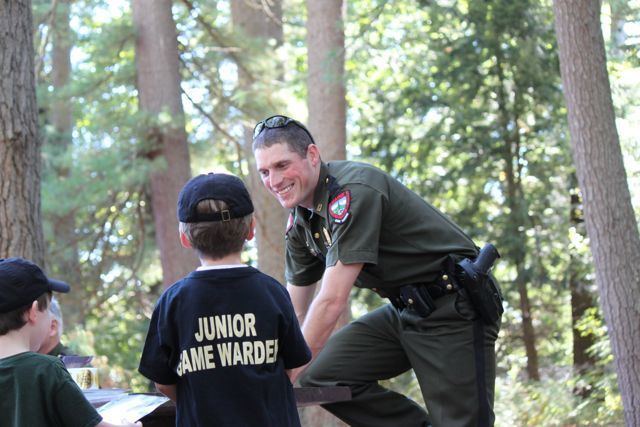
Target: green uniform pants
451, 352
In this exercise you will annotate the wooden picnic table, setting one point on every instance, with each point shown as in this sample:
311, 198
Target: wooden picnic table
165, 414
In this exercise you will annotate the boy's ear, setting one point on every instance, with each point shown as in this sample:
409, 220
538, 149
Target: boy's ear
252, 228
184, 241
32, 313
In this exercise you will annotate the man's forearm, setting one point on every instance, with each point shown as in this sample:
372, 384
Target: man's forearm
301, 297
321, 321
329, 304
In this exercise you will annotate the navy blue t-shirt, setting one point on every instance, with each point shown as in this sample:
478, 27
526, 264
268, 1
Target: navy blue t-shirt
225, 338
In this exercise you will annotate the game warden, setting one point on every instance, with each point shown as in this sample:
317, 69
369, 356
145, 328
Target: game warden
352, 224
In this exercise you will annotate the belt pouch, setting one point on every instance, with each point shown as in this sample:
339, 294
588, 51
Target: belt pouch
417, 298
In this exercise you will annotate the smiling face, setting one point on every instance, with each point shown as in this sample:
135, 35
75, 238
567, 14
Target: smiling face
291, 178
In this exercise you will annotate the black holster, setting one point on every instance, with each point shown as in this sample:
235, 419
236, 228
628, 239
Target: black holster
483, 291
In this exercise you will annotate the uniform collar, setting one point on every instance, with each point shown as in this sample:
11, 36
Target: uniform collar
320, 197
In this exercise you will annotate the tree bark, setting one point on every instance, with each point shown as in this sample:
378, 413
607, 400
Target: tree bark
327, 118
517, 216
261, 23
20, 162
158, 82
582, 299
325, 84
609, 216
63, 250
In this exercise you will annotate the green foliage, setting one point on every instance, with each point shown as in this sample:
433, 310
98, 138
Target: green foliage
459, 100
554, 401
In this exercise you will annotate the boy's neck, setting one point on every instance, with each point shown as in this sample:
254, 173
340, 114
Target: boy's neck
231, 259
13, 343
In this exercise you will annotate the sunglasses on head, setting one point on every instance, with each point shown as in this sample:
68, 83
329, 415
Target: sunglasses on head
278, 121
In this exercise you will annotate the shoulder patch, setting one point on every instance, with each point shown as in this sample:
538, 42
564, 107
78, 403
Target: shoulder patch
289, 223
339, 207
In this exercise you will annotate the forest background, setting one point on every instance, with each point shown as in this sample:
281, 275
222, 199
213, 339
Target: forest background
462, 101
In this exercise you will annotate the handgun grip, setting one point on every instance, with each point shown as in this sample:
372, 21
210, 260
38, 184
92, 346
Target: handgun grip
488, 254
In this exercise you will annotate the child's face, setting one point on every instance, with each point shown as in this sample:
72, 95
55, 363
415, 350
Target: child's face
41, 327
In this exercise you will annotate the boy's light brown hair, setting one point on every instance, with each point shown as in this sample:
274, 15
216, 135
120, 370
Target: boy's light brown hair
215, 214
16, 319
216, 239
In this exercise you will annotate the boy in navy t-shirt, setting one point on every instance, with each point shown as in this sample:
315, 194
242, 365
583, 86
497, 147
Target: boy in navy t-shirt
221, 339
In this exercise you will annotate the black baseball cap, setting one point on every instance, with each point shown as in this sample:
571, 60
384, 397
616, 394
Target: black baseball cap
22, 282
217, 186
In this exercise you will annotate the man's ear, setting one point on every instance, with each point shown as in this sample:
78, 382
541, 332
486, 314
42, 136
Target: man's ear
184, 241
313, 154
53, 329
252, 228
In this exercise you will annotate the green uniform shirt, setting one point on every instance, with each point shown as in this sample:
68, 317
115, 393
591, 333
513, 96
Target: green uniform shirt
60, 350
37, 391
363, 215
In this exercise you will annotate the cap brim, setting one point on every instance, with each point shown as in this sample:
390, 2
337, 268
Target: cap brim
58, 286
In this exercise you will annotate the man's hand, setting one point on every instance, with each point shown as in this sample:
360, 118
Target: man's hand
294, 374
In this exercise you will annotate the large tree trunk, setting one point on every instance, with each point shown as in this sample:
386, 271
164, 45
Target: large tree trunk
262, 22
63, 250
327, 118
20, 163
325, 84
609, 216
158, 81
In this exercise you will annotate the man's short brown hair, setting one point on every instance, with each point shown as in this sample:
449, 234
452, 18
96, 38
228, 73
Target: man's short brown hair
296, 138
15, 319
216, 239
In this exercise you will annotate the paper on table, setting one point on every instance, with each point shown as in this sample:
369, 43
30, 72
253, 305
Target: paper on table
76, 361
130, 407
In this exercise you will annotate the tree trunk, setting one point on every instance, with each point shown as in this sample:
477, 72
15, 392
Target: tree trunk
582, 299
517, 217
261, 23
63, 250
20, 163
158, 82
327, 118
609, 216
325, 84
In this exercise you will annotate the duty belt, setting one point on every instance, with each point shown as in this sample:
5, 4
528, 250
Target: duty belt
470, 274
420, 297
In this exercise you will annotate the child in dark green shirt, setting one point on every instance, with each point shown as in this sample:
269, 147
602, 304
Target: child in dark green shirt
37, 390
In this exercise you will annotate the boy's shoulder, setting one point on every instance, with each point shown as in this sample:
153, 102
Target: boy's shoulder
34, 364
204, 282
245, 274
31, 357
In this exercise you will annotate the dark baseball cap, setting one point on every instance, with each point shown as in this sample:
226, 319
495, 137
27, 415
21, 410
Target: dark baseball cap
217, 186
22, 282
